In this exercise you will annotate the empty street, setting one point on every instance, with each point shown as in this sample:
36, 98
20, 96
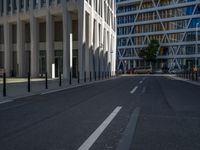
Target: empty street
130, 112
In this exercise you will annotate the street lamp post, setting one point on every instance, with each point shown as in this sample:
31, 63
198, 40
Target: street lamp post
196, 48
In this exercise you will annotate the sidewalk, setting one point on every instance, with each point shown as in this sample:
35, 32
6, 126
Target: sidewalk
18, 89
186, 80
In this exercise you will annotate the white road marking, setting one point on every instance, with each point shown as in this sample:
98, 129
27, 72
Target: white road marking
94, 136
141, 82
53, 91
5, 101
127, 139
133, 90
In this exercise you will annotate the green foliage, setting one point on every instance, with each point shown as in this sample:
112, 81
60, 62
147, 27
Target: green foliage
149, 53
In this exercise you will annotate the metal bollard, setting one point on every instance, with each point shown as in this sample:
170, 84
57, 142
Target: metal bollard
29, 82
90, 76
196, 76
95, 76
4, 84
70, 78
99, 75
78, 77
85, 77
102, 75
192, 75
46, 81
60, 79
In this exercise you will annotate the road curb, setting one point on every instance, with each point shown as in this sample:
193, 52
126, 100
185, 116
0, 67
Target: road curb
11, 99
185, 80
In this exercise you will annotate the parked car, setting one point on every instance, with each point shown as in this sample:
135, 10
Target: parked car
130, 71
143, 70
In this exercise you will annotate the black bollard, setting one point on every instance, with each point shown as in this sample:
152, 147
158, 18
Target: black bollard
99, 75
4, 84
192, 75
95, 76
78, 77
29, 82
90, 76
60, 79
46, 81
85, 77
196, 76
70, 78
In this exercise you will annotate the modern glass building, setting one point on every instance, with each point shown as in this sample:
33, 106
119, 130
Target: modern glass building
35, 37
174, 23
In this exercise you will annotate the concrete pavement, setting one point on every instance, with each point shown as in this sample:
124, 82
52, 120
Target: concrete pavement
17, 87
160, 114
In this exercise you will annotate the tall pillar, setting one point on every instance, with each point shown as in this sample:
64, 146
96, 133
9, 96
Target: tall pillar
97, 46
87, 43
81, 41
101, 48
67, 29
49, 43
7, 48
34, 46
20, 48
5, 7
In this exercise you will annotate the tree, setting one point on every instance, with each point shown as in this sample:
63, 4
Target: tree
149, 53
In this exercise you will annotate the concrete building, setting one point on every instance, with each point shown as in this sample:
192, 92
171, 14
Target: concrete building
174, 23
54, 36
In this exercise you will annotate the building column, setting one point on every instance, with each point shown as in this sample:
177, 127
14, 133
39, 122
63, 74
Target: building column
7, 48
67, 29
34, 46
49, 43
20, 48
91, 47
87, 43
97, 48
81, 42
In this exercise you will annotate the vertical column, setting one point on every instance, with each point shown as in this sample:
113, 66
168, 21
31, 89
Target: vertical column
39, 4
20, 47
105, 49
34, 46
109, 50
67, 29
25, 5
81, 40
49, 43
114, 55
101, 49
91, 48
5, 7
87, 51
7, 48
97, 47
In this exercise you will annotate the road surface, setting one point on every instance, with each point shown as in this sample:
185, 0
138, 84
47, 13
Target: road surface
133, 112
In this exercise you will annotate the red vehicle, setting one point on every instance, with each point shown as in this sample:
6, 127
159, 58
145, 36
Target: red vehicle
130, 71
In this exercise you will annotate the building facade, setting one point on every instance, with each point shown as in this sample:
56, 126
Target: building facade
174, 23
57, 36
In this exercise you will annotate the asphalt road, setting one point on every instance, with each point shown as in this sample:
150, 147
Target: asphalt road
137, 113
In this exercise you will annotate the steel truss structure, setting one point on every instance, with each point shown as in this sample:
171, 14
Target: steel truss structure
174, 23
